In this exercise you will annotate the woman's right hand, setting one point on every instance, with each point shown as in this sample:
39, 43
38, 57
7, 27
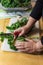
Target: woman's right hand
21, 31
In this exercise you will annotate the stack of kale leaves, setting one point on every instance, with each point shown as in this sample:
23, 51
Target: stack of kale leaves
10, 38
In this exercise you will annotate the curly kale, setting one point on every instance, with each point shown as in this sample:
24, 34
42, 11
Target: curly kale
10, 38
14, 3
18, 24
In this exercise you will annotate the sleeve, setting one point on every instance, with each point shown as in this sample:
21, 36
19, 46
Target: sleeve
42, 40
37, 10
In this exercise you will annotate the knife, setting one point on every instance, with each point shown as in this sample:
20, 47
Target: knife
7, 34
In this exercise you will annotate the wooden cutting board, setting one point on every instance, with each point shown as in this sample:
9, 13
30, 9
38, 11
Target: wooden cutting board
3, 24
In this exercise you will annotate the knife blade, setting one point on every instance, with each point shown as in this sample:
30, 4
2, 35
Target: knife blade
2, 34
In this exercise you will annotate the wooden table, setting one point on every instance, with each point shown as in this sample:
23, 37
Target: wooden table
9, 58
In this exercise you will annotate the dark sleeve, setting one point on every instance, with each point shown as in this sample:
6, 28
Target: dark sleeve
42, 40
37, 10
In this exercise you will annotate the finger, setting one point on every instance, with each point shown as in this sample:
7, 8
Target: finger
27, 44
28, 40
18, 43
16, 30
22, 50
31, 40
20, 47
21, 33
30, 51
26, 50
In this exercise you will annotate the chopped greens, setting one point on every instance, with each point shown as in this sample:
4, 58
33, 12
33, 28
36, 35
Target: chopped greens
10, 38
15, 3
18, 24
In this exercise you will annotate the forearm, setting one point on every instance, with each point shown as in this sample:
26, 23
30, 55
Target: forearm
35, 14
30, 22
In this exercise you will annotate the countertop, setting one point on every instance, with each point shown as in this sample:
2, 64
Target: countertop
9, 58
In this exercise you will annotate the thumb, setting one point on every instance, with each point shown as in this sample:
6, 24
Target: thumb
27, 39
16, 30
30, 40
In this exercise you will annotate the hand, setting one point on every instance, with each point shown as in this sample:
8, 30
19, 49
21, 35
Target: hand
29, 47
21, 31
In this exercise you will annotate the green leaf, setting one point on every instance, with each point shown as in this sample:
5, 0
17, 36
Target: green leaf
13, 47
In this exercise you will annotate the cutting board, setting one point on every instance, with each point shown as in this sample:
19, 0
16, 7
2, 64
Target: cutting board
8, 22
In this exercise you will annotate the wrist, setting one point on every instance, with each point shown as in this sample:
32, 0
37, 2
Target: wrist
30, 22
26, 27
39, 46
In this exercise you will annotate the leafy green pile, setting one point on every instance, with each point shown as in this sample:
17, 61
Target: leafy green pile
14, 3
18, 24
10, 38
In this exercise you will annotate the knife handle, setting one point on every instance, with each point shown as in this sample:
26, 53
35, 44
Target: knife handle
16, 33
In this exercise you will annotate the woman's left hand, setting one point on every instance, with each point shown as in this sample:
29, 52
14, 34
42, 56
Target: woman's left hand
29, 46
